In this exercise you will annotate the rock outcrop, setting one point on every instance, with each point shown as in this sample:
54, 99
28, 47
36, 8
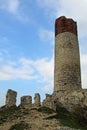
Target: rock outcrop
41, 118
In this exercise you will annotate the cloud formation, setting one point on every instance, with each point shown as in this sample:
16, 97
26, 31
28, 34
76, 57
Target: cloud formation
40, 70
15, 8
11, 6
70, 8
84, 70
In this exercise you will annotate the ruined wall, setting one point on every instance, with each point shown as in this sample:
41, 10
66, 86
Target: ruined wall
48, 102
26, 101
37, 99
70, 100
67, 75
11, 98
63, 24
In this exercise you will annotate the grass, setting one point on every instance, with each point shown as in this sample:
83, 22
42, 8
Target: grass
46, 110
81, 116
20, 126
73, 120
9, 113
67, 119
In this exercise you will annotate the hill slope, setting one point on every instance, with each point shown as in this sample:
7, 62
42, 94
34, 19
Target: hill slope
16, 118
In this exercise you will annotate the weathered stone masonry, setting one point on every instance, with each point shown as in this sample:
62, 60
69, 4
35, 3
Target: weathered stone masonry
68, 92
37, 101
26, 101
11, 98
67, 59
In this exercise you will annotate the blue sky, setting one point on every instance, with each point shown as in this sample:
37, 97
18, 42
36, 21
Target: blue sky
27, 43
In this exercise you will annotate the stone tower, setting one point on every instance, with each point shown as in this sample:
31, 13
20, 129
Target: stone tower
67, 74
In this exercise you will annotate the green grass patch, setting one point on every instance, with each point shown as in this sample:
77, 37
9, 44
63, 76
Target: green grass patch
67, 119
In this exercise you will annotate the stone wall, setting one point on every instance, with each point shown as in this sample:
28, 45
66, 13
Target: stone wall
37, 99
26, 101
67, 73
62, 98
85, 95
48, 102
70, 100
11, 98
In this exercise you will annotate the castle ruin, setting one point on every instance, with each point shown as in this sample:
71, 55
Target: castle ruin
68, 91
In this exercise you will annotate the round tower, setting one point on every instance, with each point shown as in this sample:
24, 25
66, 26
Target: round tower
67, 74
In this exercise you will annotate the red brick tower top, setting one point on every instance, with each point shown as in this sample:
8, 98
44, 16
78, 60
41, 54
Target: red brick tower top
63, 24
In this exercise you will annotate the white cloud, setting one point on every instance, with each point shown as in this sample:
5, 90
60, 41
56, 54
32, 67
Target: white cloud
49, 87
11, 6
26, 69
50, 7
46, 35
2, 98
47, 3
41, 70
45, 69
84, 70
76, 10
16, 70
71, 8
15, 8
